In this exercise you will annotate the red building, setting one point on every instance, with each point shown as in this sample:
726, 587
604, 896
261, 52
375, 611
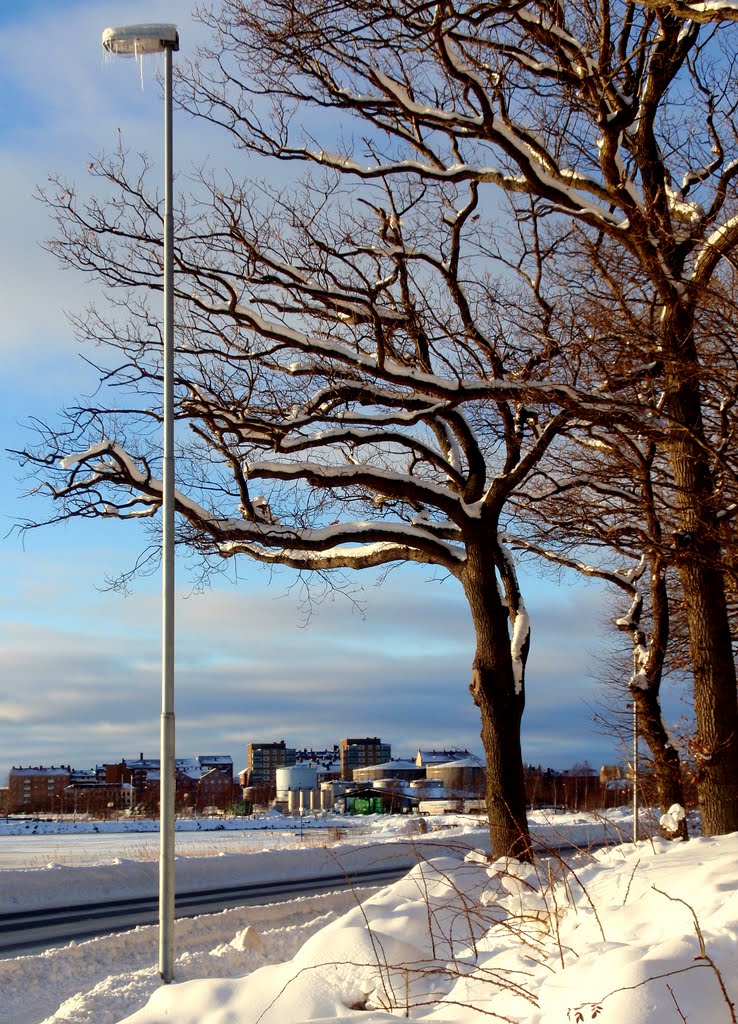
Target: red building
35, 789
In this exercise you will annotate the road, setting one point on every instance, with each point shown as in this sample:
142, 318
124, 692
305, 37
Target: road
33, 930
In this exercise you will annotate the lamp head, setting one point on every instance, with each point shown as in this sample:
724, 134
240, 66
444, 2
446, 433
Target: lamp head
136, 40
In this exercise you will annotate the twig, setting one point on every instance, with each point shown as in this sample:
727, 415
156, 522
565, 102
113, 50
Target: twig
676, 1004
704, 955
632, 875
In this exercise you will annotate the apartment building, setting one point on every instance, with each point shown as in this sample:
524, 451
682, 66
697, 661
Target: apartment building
360, 752
263, 759
37, 788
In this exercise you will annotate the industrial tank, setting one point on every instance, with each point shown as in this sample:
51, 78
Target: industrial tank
399, 769
462, 778
295, 778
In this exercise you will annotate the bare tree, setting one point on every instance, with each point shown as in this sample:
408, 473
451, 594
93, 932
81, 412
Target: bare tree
619, 120
345, 347
610, 509
600, 518
354, 393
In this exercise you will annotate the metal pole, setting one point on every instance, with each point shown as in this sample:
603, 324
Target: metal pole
167, 781
635, 772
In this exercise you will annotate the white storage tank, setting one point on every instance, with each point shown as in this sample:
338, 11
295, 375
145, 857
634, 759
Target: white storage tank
332, 791
296, 778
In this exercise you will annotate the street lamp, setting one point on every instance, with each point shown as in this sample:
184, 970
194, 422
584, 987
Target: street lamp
137, 41
634, 707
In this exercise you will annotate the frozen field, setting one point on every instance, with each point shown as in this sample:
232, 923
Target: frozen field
37, 850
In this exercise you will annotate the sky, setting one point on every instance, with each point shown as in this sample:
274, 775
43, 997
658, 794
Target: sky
79, 664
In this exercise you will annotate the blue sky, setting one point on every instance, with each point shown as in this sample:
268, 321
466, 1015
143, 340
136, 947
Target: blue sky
79, 666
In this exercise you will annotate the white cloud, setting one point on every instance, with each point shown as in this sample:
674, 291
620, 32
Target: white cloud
246, 670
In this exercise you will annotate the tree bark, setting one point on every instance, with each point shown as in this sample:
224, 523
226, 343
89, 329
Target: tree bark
501, 701
698, 554
505, 797
666, 763
715, 705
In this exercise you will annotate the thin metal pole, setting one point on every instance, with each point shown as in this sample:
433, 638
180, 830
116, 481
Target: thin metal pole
635, 772
167, 781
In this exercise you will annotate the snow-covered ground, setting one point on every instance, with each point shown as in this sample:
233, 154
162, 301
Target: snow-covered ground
645, 933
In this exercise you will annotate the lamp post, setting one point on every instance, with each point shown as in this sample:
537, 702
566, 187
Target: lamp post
137, 41
634, 707
635, 772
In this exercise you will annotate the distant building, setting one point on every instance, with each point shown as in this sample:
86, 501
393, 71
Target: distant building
202, 781
143, 771
222, 763
89, 794
327, 762
262, 761
216, 789
37, 788
361, 752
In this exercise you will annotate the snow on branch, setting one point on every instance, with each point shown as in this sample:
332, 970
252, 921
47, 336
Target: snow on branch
458, 120
382, 481
561, 188
264, 537
623, 578
719, 244
355, 437
365, 556
520, 637
420, 384
703, 13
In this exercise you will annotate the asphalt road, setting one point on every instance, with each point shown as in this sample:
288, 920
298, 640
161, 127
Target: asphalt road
29, 931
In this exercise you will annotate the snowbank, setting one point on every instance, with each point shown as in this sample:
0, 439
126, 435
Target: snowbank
646, 934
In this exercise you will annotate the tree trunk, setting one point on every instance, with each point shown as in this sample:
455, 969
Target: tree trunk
698, 554
715, 705
666, 764
508, 824
500, 701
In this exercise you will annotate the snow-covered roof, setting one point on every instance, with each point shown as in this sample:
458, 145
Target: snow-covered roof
193, 767
318, 765
188, 766
214, 773
465, 762
41, 770
440, 756
399, 765
308, 754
